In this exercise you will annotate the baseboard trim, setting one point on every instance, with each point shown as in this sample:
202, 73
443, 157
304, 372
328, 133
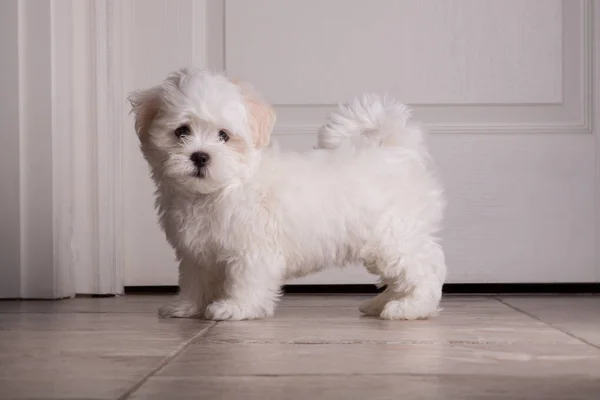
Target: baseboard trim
449, 288
522, 288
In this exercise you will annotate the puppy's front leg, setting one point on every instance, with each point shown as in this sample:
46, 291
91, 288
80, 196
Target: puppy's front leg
251, 289
197, 288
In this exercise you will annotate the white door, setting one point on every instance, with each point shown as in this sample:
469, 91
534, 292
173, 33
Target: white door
505, 87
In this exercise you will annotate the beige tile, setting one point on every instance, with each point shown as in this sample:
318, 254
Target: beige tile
340, 300
44, 388
372, 387
81, 355
121, 304
96, 322
577, 315
461, 322
315, 347
220, 359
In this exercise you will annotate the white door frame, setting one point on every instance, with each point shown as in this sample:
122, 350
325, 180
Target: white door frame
96, 188
40, 130
65, 155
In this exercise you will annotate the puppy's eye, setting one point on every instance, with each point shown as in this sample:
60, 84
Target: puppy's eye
223, 136
183, 130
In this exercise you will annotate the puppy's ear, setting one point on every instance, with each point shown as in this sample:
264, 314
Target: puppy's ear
145, 104
261, 116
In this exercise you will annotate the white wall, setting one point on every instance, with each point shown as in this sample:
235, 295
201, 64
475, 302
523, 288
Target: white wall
505, 87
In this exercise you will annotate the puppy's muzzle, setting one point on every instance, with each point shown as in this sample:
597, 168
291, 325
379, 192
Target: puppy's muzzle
200, 160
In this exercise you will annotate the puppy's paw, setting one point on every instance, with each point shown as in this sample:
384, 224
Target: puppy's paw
179, 309
227, 310
407, 309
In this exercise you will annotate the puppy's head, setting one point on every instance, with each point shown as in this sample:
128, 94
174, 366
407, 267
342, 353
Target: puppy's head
200, 130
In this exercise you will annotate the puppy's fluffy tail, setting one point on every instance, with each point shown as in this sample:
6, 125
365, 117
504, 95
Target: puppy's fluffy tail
371, 121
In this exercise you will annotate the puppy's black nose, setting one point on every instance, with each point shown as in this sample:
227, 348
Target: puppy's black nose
200, 158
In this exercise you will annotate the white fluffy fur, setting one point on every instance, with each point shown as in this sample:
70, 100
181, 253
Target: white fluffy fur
259, 216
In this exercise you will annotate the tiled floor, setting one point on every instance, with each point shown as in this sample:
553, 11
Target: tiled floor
315, 347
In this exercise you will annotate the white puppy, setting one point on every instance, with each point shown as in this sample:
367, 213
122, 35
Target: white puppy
243, 218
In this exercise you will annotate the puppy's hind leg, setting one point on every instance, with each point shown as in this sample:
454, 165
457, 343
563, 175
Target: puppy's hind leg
418, 301
414, 277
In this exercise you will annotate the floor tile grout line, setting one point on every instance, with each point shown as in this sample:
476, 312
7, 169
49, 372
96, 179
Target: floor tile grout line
165, 362
272, 375
597, 347
373, 342
324, 375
